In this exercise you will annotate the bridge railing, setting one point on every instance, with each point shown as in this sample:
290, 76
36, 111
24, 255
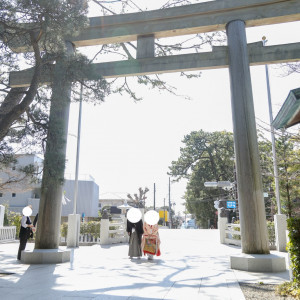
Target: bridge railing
230, 234
233, 234
7, 233
113, 232
88, 239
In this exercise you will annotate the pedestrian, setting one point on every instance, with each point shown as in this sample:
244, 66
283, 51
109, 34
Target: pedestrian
135, 232
26, 229
151, 241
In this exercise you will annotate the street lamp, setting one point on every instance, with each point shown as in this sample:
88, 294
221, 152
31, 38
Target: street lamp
279, 219
74, 219
272, 136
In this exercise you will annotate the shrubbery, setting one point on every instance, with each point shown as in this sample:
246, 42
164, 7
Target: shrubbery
288, 289
91, 228
271, 233
12, 219
293, 288
293, 225
64, 230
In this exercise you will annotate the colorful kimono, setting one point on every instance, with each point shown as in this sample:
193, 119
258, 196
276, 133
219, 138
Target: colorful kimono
151, 240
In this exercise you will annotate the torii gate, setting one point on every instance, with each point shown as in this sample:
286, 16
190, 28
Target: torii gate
230, 15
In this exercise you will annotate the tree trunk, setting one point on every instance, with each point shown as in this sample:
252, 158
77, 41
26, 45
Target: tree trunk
54, 163
8, 111
15, 103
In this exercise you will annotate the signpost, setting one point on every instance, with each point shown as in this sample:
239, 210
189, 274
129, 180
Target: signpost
231, 204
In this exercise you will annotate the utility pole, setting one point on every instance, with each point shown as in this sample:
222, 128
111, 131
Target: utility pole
77, 152
74, 220
154, 190
164, 211
170, 214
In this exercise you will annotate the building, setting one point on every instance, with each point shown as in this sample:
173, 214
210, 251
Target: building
21, 194
87, 197
289, 114
21, 191
111, 199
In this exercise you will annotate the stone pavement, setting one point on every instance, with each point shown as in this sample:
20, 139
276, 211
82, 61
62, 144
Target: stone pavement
193, 265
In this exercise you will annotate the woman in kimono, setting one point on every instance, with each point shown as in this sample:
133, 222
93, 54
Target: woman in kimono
151, 241
135, 232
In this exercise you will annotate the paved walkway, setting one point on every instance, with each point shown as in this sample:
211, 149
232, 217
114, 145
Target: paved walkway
193, 265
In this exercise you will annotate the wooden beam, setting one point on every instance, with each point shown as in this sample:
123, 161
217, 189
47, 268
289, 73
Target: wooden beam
182, 20
218, 58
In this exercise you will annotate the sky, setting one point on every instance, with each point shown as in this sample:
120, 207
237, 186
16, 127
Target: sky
126, 145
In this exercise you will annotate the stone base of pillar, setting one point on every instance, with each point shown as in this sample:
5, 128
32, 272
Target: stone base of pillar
45, 256
268, 263
280, 232
73, 231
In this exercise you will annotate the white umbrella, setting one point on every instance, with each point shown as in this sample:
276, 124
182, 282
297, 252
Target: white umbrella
125, 205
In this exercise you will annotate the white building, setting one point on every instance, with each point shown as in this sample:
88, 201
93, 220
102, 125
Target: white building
87, 197
21, 191
21, 194
113, 199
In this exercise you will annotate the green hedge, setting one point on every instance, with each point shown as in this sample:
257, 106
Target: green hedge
293, 225
92, 228
12, 219
271, 233
292, 288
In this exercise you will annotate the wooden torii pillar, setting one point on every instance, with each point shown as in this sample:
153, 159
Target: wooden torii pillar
232, 15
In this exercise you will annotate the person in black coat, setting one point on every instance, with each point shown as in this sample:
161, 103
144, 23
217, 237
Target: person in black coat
135, 232
25, 233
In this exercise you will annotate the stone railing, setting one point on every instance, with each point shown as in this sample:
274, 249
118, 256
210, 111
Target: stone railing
113, 232
233, 234
230, 234
88, 239
7, 233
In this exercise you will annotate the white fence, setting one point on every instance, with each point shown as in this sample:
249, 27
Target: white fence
113, 232
233, 234
89, 239
230, 234
118, 234
7, 233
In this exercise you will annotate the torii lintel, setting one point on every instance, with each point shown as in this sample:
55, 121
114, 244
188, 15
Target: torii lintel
183, 20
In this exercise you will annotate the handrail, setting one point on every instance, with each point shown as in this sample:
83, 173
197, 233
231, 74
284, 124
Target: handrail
7, 233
